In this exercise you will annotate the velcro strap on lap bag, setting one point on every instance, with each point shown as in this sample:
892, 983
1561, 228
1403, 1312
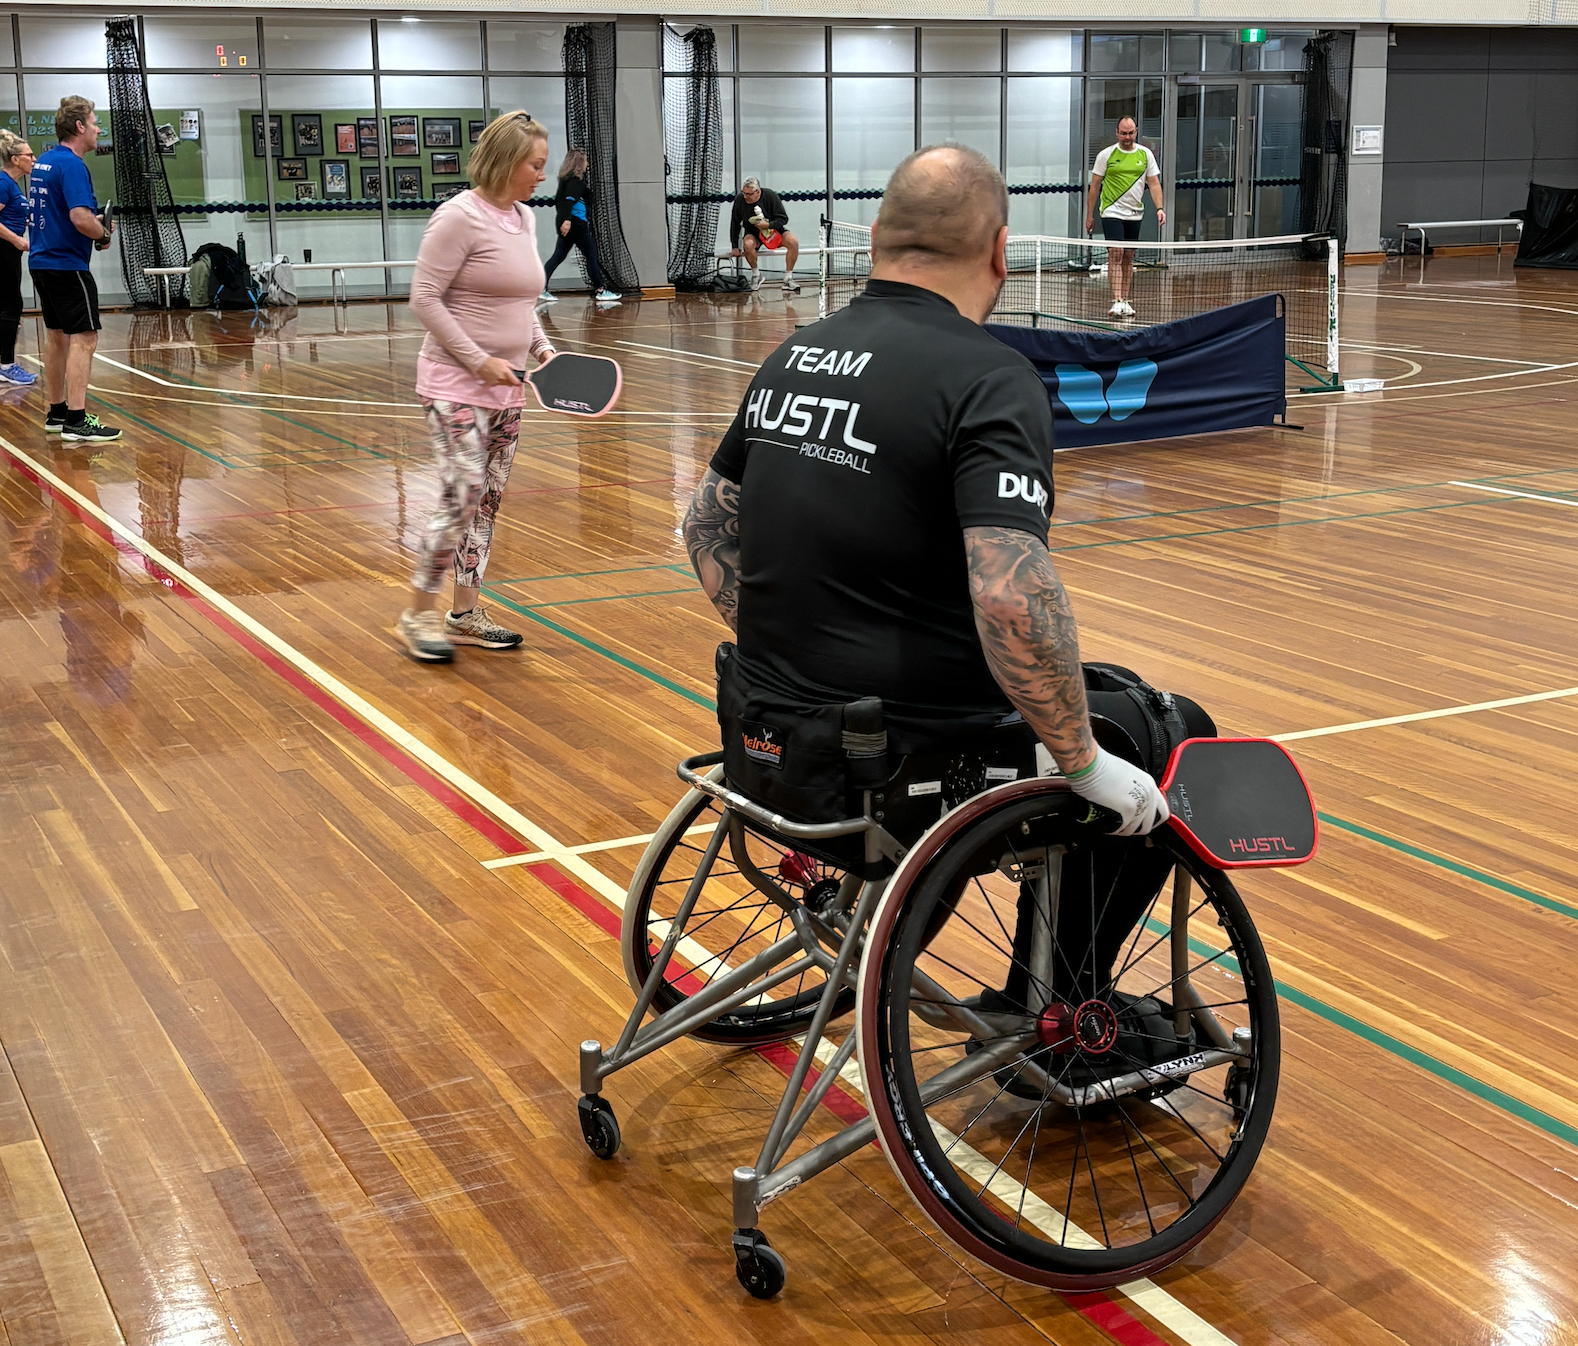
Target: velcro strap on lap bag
1158, 711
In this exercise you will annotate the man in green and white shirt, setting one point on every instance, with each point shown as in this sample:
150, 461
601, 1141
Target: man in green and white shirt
1117, 181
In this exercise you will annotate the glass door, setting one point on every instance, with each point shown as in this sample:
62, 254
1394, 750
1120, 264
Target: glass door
1276, 145
1206, 179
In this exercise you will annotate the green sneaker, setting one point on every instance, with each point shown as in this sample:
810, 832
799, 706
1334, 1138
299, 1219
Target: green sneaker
91, 428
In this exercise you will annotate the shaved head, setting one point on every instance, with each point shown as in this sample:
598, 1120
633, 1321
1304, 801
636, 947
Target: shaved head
945, 203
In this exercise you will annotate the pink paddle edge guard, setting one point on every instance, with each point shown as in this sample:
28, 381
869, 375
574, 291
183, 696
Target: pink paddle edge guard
619, 387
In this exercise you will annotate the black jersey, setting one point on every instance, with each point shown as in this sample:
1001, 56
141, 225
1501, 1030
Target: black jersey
769, 206
864, 447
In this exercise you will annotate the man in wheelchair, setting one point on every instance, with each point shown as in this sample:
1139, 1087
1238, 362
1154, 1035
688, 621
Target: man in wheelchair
1062, 1080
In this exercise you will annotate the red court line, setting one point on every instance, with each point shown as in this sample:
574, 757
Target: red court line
1103, 1312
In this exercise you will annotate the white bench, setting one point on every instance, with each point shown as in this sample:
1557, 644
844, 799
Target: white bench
336, 270
1456, 224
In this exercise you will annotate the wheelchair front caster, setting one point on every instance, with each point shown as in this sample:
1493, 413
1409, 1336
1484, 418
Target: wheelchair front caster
599, 1126
757, 1267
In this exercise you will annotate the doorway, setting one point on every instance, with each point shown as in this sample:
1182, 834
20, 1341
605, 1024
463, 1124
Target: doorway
1236, 156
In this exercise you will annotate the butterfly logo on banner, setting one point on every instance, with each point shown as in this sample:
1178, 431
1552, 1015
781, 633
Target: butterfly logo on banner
1081, 390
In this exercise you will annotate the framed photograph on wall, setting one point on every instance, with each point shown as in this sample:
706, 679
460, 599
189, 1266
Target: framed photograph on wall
446, 165
441, 133
407, 183
306, 191
292, 170
474, 131
276, 135
367, 137
442, 191
372, 188
345, 137
336, 178
402, 137
306, 129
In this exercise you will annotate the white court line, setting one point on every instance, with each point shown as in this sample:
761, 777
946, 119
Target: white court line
700, 355
1176, 1317
1523, 495
536, 857
1441, 714
550, 848
1445, 355
1474, 378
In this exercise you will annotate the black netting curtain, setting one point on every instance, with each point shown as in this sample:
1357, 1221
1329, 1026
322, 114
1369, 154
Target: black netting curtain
590, 67
150, 233
692, 154
1323, 183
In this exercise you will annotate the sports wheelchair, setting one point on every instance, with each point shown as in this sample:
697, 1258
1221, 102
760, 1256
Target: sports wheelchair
1068, 1043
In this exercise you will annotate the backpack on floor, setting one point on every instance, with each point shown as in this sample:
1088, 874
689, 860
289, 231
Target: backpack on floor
232, 278
200, 283
276, 281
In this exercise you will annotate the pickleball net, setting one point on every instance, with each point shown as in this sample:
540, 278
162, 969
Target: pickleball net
1062, 283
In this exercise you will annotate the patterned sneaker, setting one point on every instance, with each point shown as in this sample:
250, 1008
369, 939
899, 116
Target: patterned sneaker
54, 422
477, 628
90, 427
424, 637
14, 373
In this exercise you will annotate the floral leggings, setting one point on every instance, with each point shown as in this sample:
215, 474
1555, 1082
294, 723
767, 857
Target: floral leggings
475, 448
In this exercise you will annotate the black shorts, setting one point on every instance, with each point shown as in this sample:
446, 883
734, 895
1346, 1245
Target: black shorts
69, 299
1120, 231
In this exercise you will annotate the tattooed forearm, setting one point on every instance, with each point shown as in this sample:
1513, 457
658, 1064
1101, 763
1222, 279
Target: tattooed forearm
1032, 645
712, 537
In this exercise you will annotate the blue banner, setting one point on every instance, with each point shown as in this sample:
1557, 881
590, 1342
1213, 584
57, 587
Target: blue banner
1222, 370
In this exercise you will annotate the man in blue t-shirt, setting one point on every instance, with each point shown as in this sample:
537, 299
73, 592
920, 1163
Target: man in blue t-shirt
65, 228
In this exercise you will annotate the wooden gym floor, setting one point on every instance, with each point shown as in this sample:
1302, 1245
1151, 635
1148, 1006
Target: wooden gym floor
297, 938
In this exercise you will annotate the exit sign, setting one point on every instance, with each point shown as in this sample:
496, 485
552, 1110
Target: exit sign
1252, 37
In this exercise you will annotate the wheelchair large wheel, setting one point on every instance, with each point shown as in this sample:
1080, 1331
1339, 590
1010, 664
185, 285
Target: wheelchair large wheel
1070, 1042
737, 915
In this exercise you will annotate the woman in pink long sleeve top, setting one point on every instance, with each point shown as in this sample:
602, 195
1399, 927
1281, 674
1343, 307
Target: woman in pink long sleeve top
478, 275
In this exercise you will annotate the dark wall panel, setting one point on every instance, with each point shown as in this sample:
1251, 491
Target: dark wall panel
1472, 115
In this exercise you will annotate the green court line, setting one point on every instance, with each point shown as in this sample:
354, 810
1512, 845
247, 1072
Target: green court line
121, 413
1497, 1098
588, 574
1452, 866
1261, 527
610, 598
647, 673
1440, 1069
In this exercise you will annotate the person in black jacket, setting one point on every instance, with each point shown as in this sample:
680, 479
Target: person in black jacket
759, 211
570, 205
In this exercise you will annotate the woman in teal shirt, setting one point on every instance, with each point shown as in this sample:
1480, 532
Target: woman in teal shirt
16, 158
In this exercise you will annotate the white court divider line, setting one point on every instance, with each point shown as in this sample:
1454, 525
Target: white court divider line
1522, 495
537, 857
1179, 1319
353, 701
1441, 714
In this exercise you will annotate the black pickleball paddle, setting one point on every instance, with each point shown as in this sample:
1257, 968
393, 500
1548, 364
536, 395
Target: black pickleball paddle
576, 385
1240, 803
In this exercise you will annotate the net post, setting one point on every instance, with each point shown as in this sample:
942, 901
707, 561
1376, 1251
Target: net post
1331, 310
823, 235
1038, 276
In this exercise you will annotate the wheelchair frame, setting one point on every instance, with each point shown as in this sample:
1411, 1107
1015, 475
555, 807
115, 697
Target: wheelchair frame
834, 940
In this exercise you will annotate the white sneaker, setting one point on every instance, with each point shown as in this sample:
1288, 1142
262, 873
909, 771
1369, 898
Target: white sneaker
790, 287
756, 279
607, 296
547, 297
1128, 309
1116, 311
424, 637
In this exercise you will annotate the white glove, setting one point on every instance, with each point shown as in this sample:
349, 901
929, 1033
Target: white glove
1125, 789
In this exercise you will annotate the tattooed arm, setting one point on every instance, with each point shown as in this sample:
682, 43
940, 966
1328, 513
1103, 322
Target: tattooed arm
712, 537
1031, 643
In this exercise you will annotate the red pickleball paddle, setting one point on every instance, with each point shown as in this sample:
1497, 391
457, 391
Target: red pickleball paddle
1240, 803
